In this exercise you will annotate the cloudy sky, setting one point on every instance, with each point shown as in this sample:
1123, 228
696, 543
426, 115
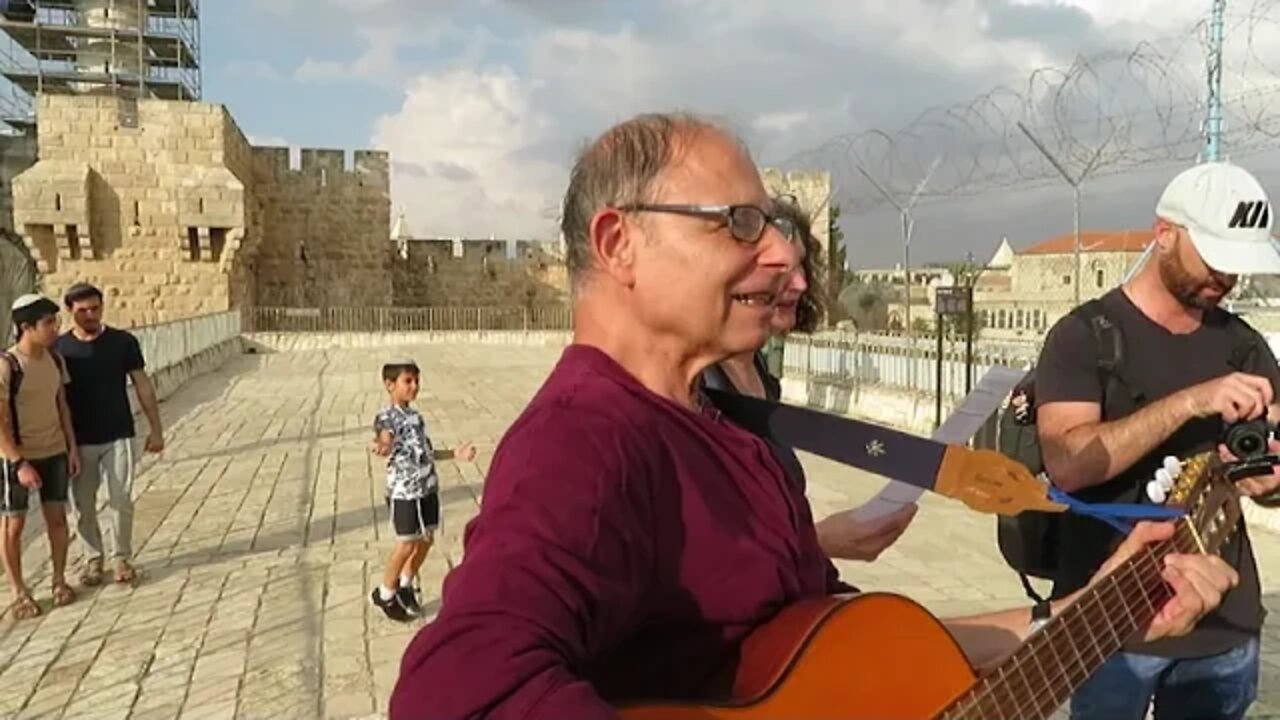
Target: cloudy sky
482, 103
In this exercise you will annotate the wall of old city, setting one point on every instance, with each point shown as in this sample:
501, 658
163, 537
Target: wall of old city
478, 274
324, 227
167, 207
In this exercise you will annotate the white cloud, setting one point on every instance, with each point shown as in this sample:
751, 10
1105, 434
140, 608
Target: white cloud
482, 146
483, 152
455, 144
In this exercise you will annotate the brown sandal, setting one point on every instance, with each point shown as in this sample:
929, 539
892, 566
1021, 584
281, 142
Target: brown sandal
25, 607
63, 594
125, 572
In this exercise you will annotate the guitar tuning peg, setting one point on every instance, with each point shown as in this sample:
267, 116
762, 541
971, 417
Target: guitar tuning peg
1172, 464
1156, 492
1164, 478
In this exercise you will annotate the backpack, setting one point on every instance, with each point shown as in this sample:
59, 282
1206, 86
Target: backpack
1030, 541
15, 383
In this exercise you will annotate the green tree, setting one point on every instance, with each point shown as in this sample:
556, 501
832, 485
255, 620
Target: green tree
834, 264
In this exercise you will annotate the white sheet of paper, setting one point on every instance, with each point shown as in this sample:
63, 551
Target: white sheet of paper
978, 406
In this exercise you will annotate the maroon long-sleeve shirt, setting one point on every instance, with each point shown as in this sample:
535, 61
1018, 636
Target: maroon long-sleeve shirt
624, 547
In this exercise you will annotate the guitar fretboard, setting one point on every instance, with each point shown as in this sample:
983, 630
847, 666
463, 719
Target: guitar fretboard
1036, 680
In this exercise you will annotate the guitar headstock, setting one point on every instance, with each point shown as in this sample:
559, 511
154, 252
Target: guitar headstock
1200, 487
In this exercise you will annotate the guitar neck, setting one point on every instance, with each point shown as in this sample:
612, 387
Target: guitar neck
1042, 674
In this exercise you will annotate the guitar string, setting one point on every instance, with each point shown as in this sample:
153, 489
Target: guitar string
997, 697
1183, 540
988, 696
1109, 601
1144, 568
1125, 587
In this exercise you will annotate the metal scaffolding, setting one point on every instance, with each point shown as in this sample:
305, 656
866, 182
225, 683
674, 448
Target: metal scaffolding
126, 48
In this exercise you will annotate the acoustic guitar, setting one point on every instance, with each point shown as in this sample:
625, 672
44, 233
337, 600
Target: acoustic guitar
879, 656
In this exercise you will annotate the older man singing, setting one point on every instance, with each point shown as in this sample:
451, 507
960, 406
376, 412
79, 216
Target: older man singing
630, 536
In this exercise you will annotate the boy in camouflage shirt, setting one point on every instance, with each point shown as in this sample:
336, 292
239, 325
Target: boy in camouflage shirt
413, 496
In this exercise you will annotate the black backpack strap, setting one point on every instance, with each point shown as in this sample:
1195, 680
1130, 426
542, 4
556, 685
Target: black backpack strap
1112, 371
1031, 591
15, 381
1244, 342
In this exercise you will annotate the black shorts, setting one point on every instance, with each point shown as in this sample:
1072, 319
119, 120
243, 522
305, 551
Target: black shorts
15, 497
415, 519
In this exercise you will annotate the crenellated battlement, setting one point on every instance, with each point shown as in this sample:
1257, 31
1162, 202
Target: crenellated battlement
365, 168
446, 251
441, 271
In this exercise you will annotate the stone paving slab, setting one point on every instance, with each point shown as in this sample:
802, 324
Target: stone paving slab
262, 530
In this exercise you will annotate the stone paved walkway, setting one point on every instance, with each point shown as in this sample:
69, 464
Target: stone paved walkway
262, 529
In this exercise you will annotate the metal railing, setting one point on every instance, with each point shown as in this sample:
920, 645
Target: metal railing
396, 319
168, 344
860, 361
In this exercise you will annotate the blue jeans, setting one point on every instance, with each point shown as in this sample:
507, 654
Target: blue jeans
1219, 686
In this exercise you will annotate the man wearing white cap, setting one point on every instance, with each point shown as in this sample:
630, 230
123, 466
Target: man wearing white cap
38, 446
1185, 369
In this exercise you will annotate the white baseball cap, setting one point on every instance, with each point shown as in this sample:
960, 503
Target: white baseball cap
1228, 216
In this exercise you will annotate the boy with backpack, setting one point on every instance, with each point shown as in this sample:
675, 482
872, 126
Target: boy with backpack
38, 446
413, 489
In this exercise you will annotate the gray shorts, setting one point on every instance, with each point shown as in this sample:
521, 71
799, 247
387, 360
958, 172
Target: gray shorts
15, 497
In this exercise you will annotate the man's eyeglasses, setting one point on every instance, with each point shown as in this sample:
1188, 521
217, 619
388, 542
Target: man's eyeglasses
745, 222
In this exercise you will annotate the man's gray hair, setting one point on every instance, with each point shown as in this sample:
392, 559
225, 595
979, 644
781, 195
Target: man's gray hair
619, 168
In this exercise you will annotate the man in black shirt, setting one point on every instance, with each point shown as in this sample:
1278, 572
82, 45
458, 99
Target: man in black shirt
1182, 377
101, 360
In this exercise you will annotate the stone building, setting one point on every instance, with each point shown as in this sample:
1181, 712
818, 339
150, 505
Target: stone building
167, 207
1022, 294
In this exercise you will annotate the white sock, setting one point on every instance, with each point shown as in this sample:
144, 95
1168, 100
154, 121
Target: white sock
406, 581
386, 594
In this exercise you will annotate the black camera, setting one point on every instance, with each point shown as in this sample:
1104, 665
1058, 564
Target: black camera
1249, 439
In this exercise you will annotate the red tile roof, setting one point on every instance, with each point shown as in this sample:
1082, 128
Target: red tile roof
1093, 241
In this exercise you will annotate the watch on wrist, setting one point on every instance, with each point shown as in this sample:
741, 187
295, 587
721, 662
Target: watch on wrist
17, 464
1040, 614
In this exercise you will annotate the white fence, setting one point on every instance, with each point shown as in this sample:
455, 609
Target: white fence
169, 344
890, 362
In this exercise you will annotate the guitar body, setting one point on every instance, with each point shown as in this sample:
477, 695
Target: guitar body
875, 655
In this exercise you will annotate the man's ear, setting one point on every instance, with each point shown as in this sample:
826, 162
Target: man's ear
1166, 234
613, 243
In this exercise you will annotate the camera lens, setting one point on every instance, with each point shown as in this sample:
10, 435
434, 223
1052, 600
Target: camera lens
1249, 444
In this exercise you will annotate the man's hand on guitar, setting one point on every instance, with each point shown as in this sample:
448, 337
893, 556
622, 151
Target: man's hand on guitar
844, 537
1198, 581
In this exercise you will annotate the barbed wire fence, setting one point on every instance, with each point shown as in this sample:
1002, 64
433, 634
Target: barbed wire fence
1107, 114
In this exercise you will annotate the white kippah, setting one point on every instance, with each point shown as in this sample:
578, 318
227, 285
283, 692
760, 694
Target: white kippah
26, 301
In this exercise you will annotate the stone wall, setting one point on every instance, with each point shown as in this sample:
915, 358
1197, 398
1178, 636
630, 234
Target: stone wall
479, 274
167, 208
133, 196
325, 229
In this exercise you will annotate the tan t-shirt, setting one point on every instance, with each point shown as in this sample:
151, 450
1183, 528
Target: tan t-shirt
39, 423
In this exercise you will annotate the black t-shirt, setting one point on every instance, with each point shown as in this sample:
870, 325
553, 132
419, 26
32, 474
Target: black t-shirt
1161, 363
98, 394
